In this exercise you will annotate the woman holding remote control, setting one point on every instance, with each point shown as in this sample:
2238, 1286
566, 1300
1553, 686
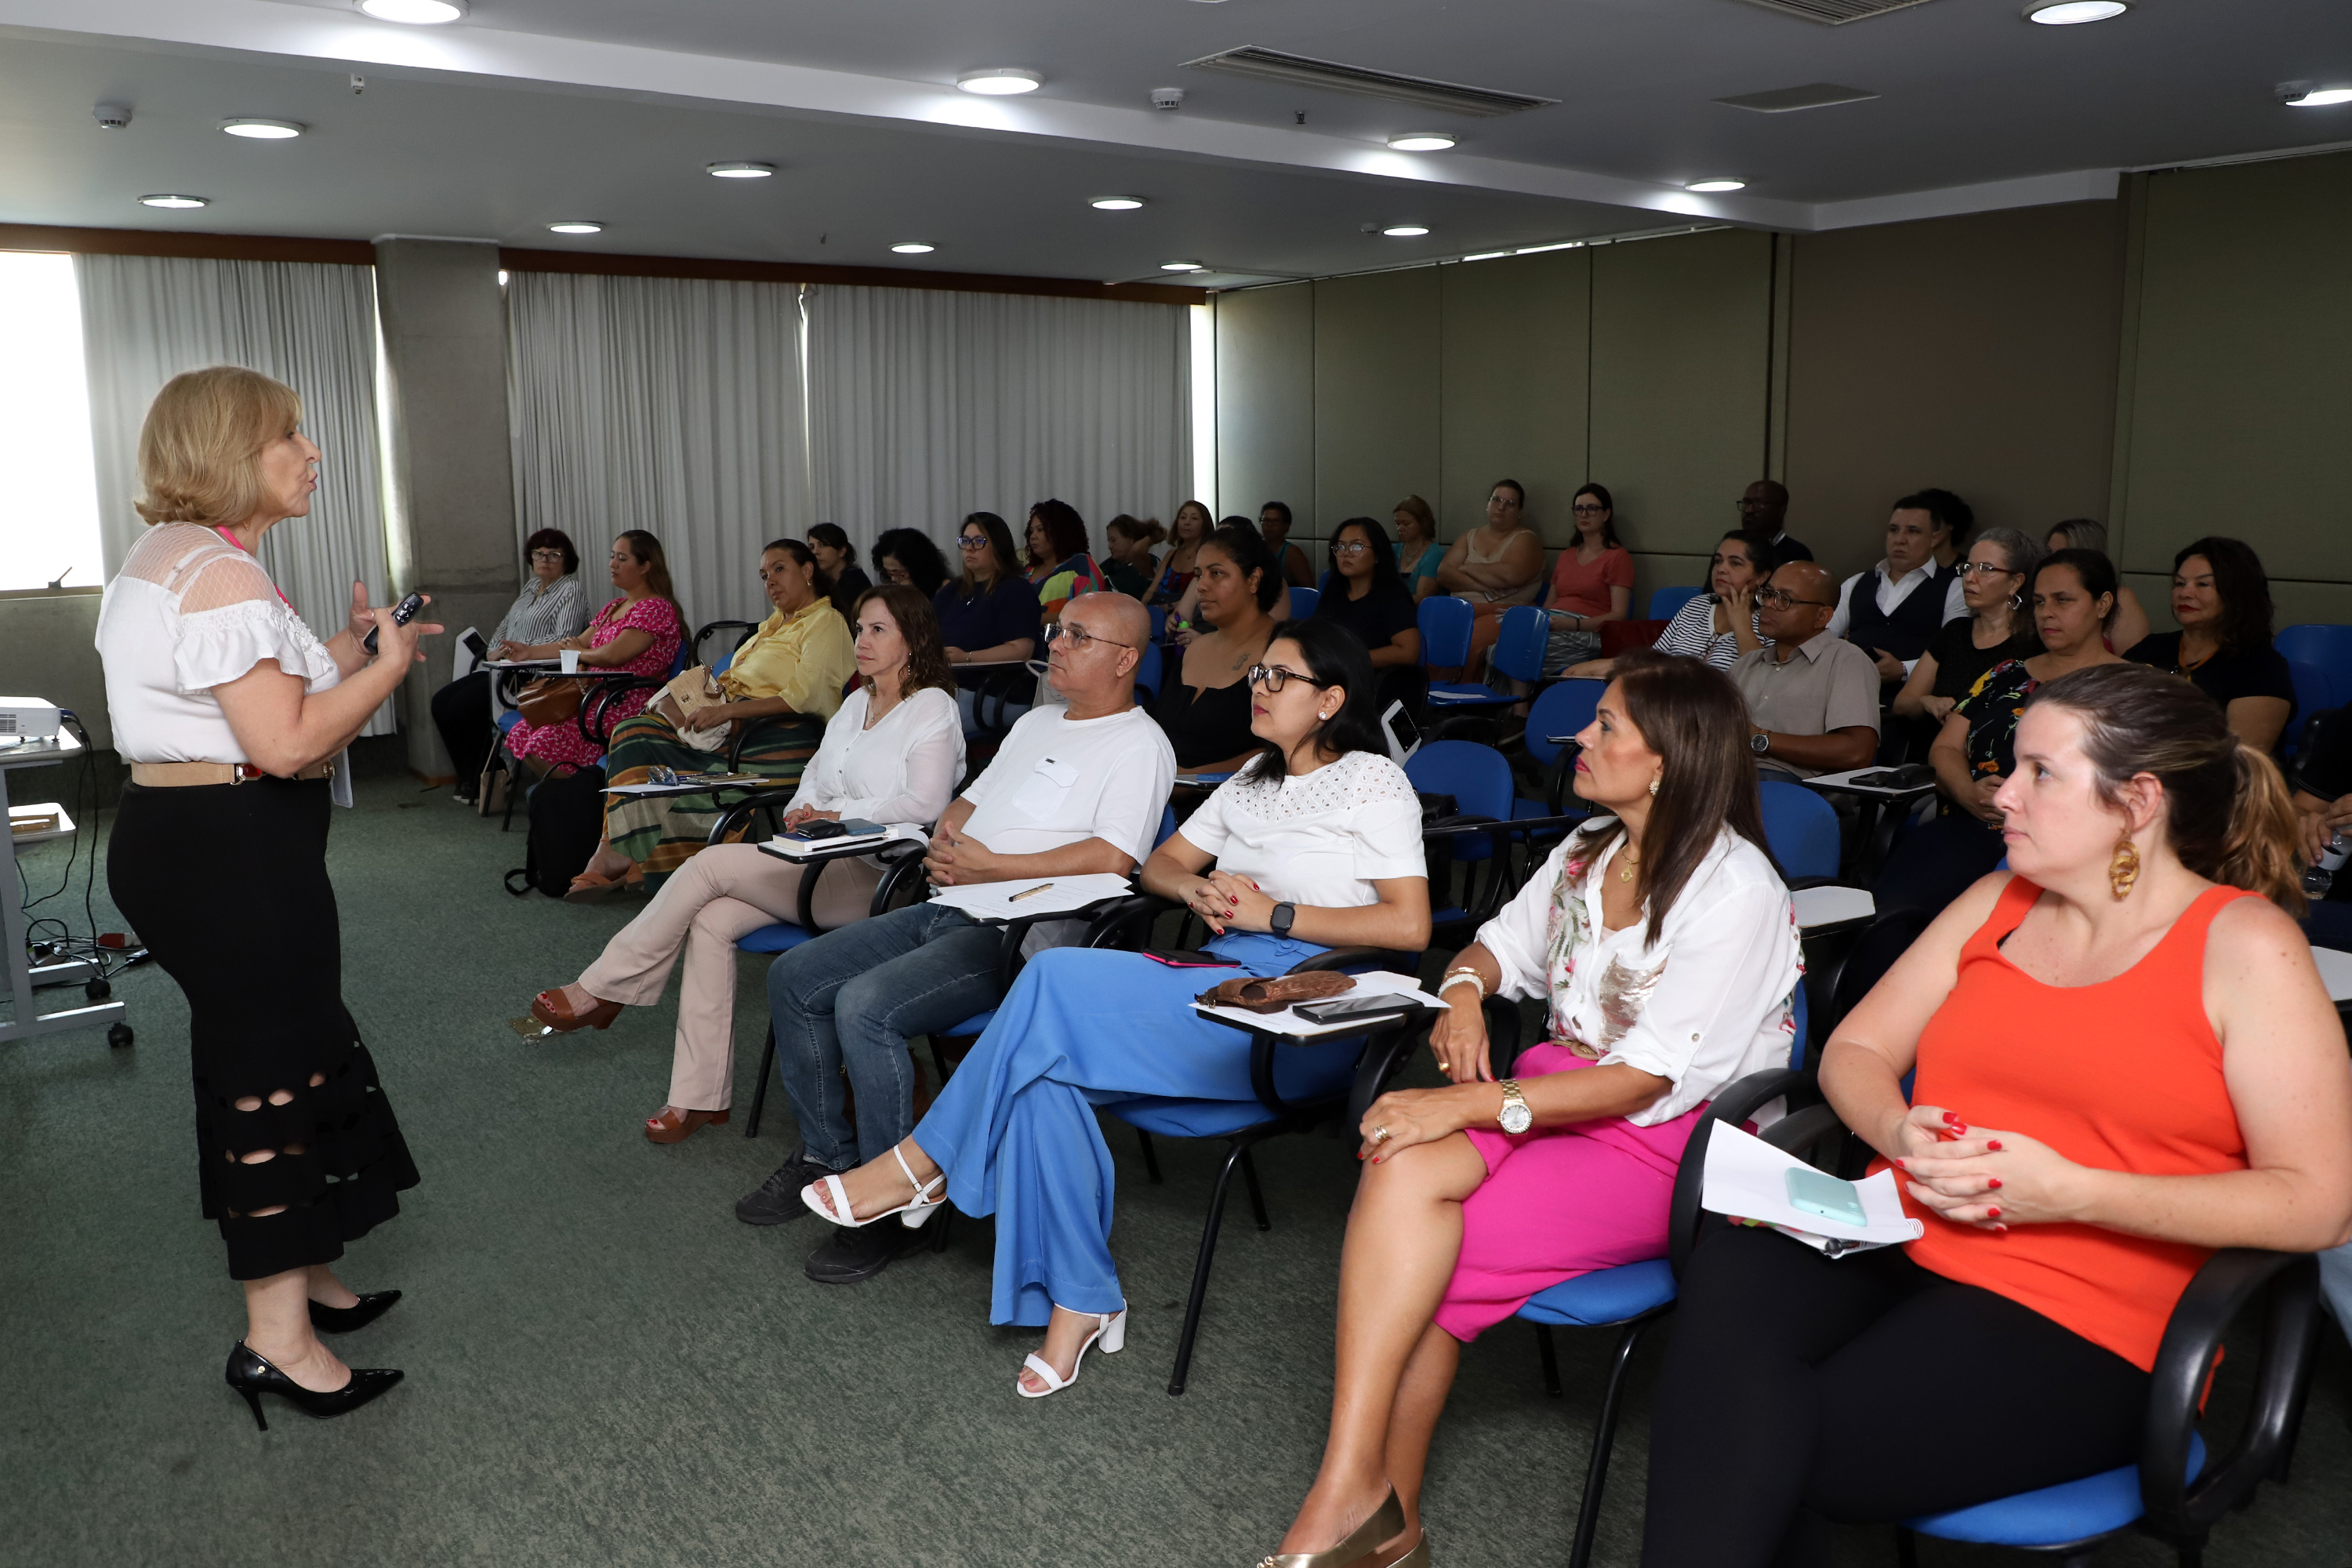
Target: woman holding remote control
1317, 843
893, 755
233, 715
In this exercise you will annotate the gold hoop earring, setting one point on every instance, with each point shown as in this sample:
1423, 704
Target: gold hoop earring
2123, 867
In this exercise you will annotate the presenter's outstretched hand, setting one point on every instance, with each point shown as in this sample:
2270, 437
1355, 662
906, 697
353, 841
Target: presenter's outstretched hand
394, 641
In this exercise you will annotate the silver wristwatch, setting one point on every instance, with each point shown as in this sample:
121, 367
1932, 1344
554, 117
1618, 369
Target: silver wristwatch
1516, 1117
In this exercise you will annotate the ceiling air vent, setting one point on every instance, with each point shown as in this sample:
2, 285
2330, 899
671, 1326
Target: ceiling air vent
1786, 100
1299, 70
1836, 13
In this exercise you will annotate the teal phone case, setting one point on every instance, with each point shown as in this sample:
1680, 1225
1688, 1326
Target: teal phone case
1825, 1196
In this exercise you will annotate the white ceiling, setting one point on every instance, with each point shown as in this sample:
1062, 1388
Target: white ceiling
538, 110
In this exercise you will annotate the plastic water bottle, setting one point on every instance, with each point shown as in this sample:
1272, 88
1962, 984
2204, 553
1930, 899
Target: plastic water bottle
2322, 876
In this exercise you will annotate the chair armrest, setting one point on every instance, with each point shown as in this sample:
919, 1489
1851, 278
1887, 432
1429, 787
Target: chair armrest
738, 817
1360, 958
1793, 883
904, 873
1120, 925
594, 727
1009, 960
2228, 1282
1739, 1102
751, 727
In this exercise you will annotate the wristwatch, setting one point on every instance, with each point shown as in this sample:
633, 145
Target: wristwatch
1759, 742
1281, 917
1516, 1117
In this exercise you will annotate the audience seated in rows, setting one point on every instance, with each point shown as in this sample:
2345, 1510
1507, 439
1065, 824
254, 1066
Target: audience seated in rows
837, 562
1591, 583
1418, 551
789, 672
1996, 583
1073, 790
2131, 621
1892, 611
1721, 623
551, 607
1059, 565
1661, 941
2126, 1059
1204, 702
1496, 565
1290, 562
637, 634
1764, 509
893, 755
1366, 593
1975, 752
1812, 697
1128, 566
1316, 845
2221, 597
907, 555
1190, 527
989, 614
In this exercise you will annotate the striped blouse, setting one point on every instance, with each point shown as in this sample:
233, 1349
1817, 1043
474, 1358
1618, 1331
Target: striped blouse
545, 613
1692, 635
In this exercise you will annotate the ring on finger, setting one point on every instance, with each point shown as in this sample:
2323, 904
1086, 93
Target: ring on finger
1380, 1135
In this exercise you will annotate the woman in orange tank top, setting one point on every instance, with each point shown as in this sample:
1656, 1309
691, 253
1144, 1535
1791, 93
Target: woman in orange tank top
2125, 1060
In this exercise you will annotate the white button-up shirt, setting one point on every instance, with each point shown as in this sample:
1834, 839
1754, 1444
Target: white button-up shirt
1893, 590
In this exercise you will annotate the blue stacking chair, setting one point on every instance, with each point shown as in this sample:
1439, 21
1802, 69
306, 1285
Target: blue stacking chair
1802, 827
1444, 623
2314, 693
1159, 613
2328, 647
1632, 1296
1303, 601
1518, 652
1479, 779
1150, 670
1667, 603
1563, 708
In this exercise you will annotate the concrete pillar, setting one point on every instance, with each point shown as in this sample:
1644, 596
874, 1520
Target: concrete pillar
450, 519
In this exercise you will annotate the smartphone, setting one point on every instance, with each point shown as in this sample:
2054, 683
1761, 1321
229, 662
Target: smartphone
823, 828
1340, 1009
1816, 1193
1910, 775
1188, 958
402, 614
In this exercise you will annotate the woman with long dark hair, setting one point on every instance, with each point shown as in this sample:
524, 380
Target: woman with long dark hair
990, 617
1591, 585
1059, 566
836, 565
2124, 1059
1192, 525
638, 633
1368, 594
232, 715
2221, 597
907, 555
1662, 940
1317, 843
1204, 702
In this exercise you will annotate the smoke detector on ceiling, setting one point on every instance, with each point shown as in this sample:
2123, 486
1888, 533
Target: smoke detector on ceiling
1166, 97
111, 116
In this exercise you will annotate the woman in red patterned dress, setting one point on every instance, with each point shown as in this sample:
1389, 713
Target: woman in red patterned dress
639, 633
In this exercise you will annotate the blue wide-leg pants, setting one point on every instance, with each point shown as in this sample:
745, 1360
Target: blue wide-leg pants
1015, 1131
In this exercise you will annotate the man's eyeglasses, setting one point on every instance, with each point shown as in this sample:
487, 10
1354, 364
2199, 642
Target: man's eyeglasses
1982, 568
1781, 599
1077, 637
1272, 676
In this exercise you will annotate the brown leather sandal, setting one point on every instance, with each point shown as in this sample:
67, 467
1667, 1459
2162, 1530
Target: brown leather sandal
674, 1126
550, 1009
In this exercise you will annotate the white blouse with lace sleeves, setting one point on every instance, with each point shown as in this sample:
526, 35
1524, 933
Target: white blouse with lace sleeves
1320, 839
1705, 1005
189, 611
903, 770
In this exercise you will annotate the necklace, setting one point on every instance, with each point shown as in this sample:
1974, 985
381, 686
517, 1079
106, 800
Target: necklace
1626, 865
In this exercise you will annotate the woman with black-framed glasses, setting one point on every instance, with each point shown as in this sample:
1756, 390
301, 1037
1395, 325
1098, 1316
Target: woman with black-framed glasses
989, 615
1367, 595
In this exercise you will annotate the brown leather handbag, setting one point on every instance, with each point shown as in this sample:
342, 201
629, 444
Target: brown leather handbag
1272, 995
549, 701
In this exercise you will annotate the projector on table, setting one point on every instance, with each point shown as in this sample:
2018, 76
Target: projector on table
27, 719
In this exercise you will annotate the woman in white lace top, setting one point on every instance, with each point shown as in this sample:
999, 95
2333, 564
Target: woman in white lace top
228, 710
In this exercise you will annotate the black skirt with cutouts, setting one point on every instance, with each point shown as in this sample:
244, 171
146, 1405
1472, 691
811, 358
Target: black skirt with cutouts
227, 885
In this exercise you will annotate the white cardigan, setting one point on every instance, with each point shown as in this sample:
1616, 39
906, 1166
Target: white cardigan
903, 770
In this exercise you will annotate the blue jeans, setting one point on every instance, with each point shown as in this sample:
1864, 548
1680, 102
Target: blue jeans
850, 998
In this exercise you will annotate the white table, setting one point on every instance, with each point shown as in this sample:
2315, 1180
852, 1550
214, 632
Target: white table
22, 974
1821, 910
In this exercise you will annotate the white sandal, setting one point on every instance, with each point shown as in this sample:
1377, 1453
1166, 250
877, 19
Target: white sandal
916, 1209
1111, 1329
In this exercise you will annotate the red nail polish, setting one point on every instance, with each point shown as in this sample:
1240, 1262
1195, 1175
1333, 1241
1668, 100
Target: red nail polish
1952, 1117
1995, 1182
1992, 1214
2001, 1230
1901, 1166
1994, 1146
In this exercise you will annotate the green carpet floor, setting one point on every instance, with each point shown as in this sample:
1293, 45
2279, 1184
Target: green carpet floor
606, 1367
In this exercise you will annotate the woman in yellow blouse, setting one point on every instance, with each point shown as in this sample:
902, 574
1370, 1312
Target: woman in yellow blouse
791, 672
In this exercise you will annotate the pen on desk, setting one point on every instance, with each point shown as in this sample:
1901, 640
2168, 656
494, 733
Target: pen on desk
1030, 894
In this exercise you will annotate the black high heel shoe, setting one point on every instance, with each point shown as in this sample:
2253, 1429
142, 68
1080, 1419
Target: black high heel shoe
343, 1320
253, 1376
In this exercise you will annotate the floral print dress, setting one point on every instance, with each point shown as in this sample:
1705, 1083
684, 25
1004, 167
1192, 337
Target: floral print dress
564, 745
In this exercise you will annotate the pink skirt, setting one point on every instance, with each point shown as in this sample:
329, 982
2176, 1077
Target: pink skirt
1559, 1202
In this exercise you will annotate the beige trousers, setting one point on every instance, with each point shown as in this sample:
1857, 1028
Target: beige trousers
727, 892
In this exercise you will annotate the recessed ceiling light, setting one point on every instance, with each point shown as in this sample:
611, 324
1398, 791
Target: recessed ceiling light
175, 203
416, 12
1180, 267
2068, 12
263, 129
914, 247
1420, 141
742, 171
1116, 204
1001, 82
2320, 98
1711, 188
1406, 230
575, 226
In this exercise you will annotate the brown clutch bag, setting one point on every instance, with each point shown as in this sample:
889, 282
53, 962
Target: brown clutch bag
1273, 996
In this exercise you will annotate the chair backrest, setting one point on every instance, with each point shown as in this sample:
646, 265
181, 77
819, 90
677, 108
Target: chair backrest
1303, 601
2327, 646
1564, 708
692, 652
1666, 602
2314, 693
1166, 825
1444, 623
1477, 777
1801, 1037
1159, 613
1147, 675
1520, 641
1801, 826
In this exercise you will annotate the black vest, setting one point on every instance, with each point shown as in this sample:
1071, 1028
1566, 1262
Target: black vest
1906, 633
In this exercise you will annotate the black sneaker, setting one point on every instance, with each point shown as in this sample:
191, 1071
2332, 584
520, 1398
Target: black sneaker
853, 1257
779, 1197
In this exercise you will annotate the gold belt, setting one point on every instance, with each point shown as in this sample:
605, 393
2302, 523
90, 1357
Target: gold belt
175, 776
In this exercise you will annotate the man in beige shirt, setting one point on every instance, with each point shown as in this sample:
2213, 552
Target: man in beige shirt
1812, 697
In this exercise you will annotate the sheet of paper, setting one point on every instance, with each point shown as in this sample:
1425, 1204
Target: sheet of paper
1289, 1022
1830, 906
1004, 900
1747, 1178
1458, 698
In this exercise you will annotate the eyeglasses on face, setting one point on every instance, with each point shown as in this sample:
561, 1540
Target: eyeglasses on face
546, 555
1983, 569
971, 541
1781, 599
1350, 547
1273, 677
1587, 509
1078, 637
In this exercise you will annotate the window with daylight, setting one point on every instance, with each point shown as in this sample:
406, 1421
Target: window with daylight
45, 445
